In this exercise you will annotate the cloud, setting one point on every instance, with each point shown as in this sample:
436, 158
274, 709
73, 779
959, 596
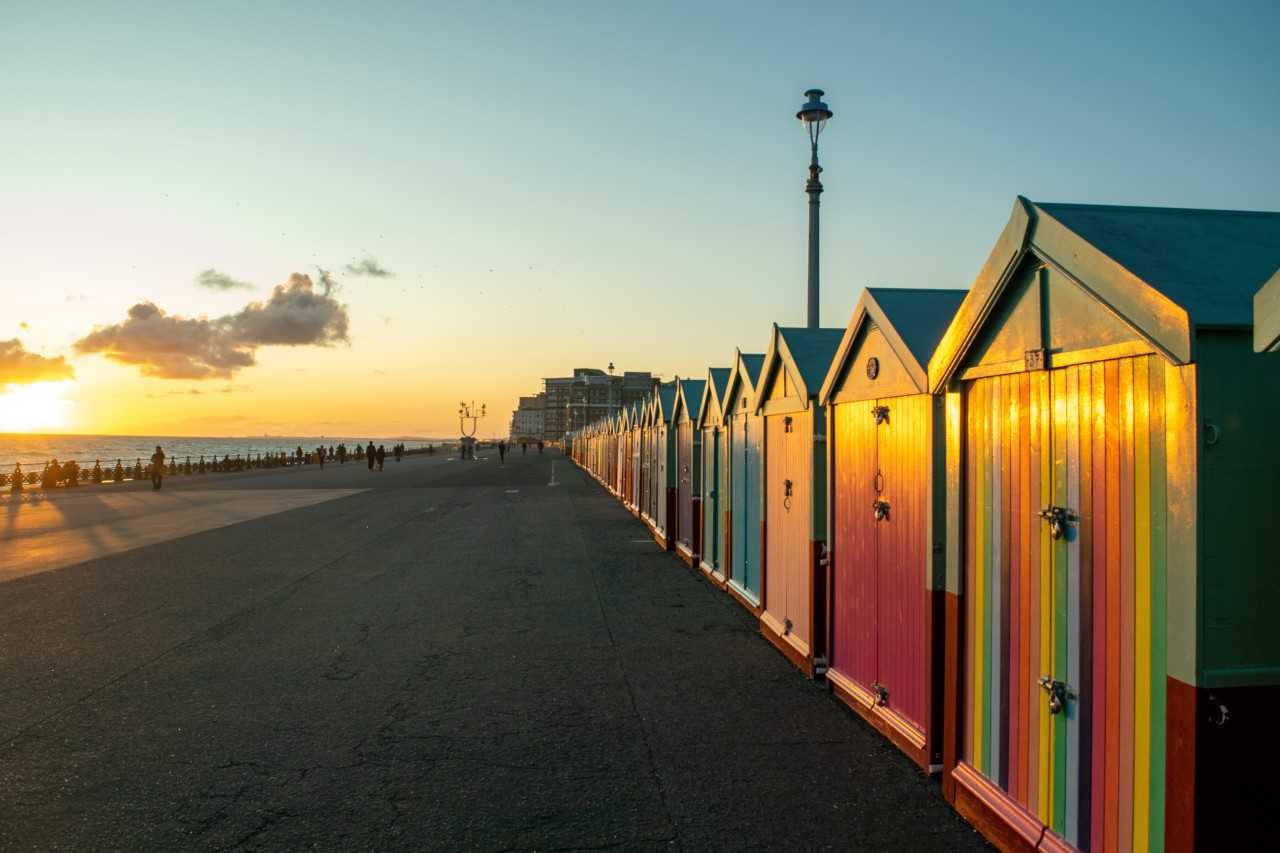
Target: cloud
18, 367
174, 347
370, 267
196, 392
214, 280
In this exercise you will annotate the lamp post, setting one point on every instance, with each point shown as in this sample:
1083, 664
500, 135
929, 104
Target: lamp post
813, 115
468, 412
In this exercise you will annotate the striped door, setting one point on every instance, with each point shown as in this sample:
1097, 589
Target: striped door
684, 482
853, 627
711, 498
1086, 610
746, 505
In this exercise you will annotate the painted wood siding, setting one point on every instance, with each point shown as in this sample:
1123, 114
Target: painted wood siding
712, 518
1087, 609
745, 488
789, 457
684, 482
853, 628
880, 579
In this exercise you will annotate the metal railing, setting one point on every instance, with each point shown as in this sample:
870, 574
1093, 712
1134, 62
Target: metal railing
56, 474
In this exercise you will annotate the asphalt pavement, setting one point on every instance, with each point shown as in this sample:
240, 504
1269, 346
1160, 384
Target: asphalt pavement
445, 656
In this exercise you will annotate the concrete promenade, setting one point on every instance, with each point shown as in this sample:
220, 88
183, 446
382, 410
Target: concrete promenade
442, 656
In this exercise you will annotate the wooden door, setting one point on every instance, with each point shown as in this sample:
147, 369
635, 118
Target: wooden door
711, 497
684, 482
1085, 610
854, 596
746, 504
902, 556
777, 585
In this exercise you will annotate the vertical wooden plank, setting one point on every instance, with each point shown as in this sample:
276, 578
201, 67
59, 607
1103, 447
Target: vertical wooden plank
1070, 774
972, 595
1035, 704
1159, 530
995, 616
1124, 831
1098, 531
1142, 602
1059, 621
1001, 535
1027, 523
1084, 708
982, 592
1114, 428
1017, 628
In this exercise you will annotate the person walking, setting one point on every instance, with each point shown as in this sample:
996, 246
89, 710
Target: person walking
320, 453
382, 456
372, 453
524, 448
502, 453
157, 468
539, 446
342, 454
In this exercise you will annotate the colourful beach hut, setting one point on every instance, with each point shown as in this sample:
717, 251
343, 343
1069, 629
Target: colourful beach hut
647, 466
715, 473
1110, 513
886, 451
634, 498
1266, 316
664, 465
688, 469
794, 489
745, 458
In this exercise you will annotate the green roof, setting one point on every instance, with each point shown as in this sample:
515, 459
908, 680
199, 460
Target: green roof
691, 391
919, 315
753, 362
811, 352
1209, 262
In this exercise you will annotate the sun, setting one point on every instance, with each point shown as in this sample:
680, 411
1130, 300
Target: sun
35, 407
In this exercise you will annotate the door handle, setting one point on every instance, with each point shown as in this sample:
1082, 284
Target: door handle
881, 414
1059, 517
881, 509
882, 693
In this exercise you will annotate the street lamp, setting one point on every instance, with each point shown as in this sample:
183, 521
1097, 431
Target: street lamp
813, 115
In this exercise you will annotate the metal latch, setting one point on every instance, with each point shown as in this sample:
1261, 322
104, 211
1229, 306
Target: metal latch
881, 414
786, 626
882, 693
1058, 517
787, 484
881, 509
1058, 692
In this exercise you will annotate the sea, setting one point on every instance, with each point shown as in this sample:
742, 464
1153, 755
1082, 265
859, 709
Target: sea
87, 449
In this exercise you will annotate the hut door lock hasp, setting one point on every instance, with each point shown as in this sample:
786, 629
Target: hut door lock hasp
1059, 518
881, 414
1059, 694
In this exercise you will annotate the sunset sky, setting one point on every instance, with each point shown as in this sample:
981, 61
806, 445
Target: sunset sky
501, 192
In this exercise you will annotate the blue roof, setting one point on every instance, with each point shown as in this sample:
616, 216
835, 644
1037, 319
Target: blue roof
811, 351
753, 362
720, 381
919, 315
667, 398
1209, 262
692, 391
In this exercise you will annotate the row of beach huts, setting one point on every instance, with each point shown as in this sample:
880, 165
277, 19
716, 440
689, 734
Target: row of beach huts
1026, 531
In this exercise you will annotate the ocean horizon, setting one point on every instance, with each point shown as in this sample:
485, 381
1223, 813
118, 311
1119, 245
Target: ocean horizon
36, 449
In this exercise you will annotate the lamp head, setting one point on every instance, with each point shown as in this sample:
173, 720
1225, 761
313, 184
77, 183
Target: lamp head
814, 114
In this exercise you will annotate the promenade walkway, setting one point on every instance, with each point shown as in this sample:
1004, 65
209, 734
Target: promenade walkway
444, 656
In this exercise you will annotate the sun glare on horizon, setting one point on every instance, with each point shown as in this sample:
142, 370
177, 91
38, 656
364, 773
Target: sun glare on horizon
35, 407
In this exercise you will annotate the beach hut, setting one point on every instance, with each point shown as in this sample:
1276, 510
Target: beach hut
794, 488
1110, 512
745, 456
887, 496
634, 502
664, 458
715, 473
688, 469
1266, 316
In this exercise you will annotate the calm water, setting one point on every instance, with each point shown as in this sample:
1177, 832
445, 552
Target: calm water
38, 449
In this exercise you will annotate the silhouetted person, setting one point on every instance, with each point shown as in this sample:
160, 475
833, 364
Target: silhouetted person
502, 453
399, 450
524, 448
342, 454
539, 446
320, 453
157, 468
371, 453
382, 456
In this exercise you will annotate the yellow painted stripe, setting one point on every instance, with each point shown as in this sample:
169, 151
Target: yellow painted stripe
1043, 810
1142, 610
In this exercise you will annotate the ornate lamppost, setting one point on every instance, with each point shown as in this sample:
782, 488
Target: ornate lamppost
469, 412
813, 115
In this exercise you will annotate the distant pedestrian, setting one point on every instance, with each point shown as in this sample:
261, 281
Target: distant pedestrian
372, 453
157, 468
524, 448
342, 454
320, 453
382, 456
502, 453
539, 446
